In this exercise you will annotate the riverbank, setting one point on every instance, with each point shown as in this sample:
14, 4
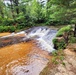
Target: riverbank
26, 54
27, 57
67, 68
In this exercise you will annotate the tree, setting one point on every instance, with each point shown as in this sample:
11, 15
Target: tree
37, 11
16, 4
63, 10
12, 8
2, 8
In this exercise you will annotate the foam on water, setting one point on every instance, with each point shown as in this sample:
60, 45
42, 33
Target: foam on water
44, 36
13, 34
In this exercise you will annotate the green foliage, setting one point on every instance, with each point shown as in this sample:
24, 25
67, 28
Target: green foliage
54, 53
61, 58
55, 40
58, 57
64, 29
2, 8
72, 39
12, 29
37, 12
54, 60
59, 44
8, 22
28, 13
62, 10
7, 28
4, 29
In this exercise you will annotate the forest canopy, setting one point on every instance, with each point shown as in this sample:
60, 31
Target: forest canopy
27, 13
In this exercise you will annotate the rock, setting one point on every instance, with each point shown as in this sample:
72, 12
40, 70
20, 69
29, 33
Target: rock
27, 70
72, 47
58, 74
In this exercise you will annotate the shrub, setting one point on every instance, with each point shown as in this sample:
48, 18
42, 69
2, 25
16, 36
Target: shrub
55, 40
64, 29
55, 43
72, 40
8, 22
7, 28
21, 26
59, 44
12, 28
3, 29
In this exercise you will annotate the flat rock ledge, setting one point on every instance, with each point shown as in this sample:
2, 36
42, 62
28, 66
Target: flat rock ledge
68, 69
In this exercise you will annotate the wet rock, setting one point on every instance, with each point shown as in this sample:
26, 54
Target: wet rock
27, 71
68, 69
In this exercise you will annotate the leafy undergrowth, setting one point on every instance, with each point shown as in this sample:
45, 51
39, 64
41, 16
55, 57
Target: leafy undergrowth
7, 28
58, 57
63, 37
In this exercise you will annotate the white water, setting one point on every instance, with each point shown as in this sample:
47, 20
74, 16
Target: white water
36, 60
44, 36
13, 34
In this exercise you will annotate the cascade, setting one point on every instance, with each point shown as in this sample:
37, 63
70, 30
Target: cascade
42, 34
44, 37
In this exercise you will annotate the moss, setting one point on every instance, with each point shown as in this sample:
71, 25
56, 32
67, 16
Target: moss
64, 29
61, 43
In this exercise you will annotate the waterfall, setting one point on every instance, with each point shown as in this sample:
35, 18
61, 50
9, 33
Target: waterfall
42, 34
44, 37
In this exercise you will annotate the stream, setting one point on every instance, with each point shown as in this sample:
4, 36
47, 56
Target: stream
26, 52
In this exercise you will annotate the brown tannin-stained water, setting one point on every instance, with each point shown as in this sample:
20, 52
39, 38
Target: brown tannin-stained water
26, 52
22, 59
4, 34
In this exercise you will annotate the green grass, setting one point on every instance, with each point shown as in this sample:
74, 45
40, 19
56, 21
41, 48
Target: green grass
58, 57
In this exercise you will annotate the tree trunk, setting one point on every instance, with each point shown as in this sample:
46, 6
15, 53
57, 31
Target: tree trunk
75, 31
66, 37
16, 2
12, 10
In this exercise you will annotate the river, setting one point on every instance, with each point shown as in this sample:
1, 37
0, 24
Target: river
19, 56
